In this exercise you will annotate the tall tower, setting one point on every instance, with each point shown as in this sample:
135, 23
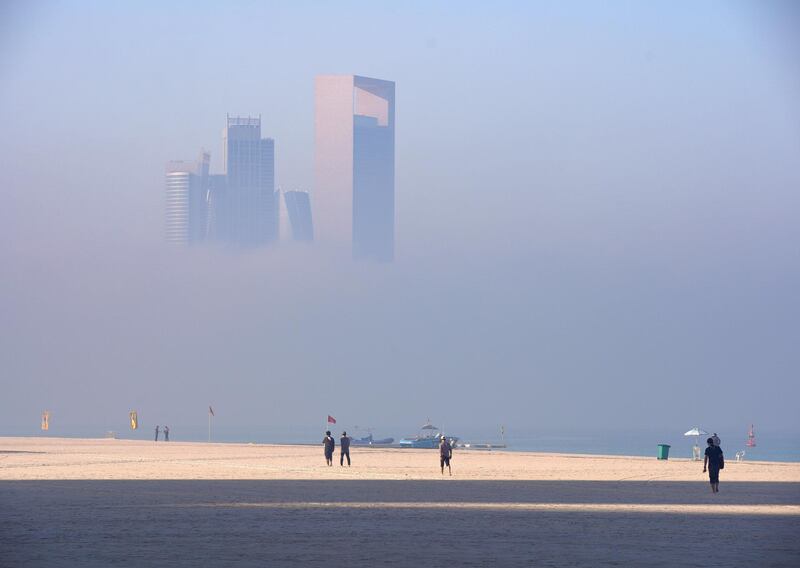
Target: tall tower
354, 163
248, 208
186, 204
298, 205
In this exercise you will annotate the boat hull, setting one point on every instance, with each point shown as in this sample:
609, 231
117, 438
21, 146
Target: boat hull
425, 443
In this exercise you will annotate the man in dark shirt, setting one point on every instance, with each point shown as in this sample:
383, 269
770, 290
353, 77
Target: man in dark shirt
166, 433
329, 444
344, 449
445, 453
714, 461
157, 430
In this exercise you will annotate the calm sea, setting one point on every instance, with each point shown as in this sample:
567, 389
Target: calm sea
771, 446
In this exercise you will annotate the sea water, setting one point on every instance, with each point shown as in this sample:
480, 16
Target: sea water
771, 446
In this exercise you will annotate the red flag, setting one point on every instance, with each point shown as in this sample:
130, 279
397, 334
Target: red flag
331, 419
210, 410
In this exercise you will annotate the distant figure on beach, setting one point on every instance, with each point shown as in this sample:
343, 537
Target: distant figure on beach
445, 453
329, 444
166, 433
344, 449
156, 432
714, 461
715, 438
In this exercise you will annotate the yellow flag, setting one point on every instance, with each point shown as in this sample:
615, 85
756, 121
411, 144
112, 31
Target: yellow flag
134, 419
46, 420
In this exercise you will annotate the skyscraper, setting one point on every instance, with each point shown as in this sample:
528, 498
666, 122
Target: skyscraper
298, 205
247, 209
217, 229
354, 163
186, 207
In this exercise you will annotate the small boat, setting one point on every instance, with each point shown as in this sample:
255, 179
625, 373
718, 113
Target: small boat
428, 437
370, 441
480, 446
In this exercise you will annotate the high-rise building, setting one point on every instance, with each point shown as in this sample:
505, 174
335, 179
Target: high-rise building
217, 213
298, 205
354, 163
247, 209
186, 207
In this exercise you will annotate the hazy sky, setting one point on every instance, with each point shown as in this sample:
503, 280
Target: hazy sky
597, 217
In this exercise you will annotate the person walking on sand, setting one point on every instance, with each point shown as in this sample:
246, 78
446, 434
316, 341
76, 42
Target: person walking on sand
344, 449
713, 462
166, 433
329, 444
156, 432
445, 453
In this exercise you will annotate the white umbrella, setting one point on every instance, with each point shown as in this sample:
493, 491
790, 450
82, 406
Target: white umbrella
696, 432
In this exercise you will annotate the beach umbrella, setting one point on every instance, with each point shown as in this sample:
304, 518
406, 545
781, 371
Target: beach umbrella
696, 432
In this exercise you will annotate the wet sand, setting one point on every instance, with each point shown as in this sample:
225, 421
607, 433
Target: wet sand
114, 502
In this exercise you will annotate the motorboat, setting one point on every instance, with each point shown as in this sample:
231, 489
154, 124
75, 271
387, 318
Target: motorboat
429, 437
480, 446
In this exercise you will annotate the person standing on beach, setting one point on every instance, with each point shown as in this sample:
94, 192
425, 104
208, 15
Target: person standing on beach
329, 444
166, 433
344, 449
156, 432
445, 453
713, 462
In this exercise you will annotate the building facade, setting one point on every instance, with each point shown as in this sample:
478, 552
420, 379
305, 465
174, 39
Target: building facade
187, 201
246, 205
354, 164
298, 206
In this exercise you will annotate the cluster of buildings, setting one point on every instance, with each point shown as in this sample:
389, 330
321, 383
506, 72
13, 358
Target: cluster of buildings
352, 201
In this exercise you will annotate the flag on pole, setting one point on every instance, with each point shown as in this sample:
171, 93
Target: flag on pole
331, 419
210, 410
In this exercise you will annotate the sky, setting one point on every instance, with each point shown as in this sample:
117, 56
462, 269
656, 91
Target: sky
596, 208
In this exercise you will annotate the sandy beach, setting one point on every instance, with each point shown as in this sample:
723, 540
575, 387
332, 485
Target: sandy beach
100, 502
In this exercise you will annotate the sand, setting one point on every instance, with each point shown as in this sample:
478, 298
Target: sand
101, 502
65, 458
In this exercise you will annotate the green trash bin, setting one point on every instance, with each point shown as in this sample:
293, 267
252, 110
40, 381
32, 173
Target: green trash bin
663, 451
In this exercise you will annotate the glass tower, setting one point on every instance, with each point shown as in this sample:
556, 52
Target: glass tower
298, 205
247, 208
187, 201
354, 163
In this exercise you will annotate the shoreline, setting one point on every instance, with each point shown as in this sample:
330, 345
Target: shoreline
396, 447
40, 458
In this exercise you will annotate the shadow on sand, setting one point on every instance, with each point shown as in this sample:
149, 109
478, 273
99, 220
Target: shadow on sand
203, 523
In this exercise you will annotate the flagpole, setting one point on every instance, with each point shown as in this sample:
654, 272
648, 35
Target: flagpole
209, 423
